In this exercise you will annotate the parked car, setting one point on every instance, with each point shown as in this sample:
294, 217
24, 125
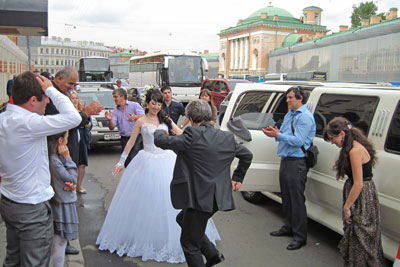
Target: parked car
220, 88
100, 133
223, 106
373, 109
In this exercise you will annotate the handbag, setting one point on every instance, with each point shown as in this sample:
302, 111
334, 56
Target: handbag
311, 153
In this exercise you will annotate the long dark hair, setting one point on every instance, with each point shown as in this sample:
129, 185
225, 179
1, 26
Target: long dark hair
334, 128
211, 102
155, 95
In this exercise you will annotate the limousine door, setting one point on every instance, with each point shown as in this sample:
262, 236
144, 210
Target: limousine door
252, 108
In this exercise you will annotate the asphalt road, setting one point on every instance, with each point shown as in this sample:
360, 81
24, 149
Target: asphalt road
244, 231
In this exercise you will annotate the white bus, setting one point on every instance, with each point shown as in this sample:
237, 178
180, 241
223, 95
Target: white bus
182, 71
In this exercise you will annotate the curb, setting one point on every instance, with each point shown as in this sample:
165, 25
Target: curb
75, 260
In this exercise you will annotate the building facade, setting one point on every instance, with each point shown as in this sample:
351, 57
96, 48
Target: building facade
244, 48
55, 53
12, 62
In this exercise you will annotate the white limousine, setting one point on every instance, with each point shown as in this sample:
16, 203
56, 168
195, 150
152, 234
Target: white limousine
374, 109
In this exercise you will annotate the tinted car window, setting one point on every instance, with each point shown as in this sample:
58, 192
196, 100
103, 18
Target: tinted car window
393, 137
359, 110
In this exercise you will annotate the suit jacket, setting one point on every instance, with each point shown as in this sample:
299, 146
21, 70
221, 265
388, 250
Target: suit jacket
202, 168
73, 144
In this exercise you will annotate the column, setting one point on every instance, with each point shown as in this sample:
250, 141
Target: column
246, 53
241, 54
236, 54
232, 56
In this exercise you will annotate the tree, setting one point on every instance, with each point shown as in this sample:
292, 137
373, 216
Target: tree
363, 11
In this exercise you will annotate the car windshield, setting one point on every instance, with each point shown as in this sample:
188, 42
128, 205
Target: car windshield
104, 97
232, 84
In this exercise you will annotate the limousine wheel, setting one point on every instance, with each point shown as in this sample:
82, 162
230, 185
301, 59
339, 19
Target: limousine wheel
253, 197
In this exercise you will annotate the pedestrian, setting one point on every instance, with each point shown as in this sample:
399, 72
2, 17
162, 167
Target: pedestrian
84, 143
124, 116
9, 86
201, 183
361, 244
63, 170
141, 219
173, 108
206, 95
297, 131
119, 85
65, 81
24, 168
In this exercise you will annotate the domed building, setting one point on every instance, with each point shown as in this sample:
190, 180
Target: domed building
244, 48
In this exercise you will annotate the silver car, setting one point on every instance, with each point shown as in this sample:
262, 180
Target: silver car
101, 134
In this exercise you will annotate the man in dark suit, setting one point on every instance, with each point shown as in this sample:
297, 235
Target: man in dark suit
202, 183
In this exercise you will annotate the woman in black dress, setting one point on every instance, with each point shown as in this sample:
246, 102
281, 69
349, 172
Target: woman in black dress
361, 244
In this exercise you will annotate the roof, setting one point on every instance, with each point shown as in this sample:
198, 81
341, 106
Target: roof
291, 39
285, 21
352, 34
124, 54
210, 55
271, 11
312, 8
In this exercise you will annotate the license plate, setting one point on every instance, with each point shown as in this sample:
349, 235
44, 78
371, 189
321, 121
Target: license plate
112, 136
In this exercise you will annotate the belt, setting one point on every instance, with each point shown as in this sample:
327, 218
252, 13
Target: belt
9, 200
292, 158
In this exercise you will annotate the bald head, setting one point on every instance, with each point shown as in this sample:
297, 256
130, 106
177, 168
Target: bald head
66, 79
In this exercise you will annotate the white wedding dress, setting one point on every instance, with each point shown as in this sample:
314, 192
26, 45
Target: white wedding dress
141, 219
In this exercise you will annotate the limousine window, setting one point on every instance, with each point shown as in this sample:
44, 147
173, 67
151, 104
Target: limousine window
393, 138
250, 107
359, 110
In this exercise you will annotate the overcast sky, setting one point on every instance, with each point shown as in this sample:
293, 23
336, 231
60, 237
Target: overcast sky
152, 25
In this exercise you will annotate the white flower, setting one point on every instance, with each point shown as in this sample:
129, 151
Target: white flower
145, 90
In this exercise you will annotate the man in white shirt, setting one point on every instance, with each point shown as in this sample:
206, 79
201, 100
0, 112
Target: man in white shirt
24, 167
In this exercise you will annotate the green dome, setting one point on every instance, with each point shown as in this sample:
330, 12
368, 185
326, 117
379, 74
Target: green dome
291, 39
271, 11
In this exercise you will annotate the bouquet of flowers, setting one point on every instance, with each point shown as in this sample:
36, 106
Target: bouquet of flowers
145, 91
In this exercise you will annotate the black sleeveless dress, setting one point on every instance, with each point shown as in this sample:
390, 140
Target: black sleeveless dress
361, 244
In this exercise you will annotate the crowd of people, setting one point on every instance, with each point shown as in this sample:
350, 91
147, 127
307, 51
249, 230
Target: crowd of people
175, 179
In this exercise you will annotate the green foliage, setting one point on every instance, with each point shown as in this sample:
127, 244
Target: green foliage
363, 11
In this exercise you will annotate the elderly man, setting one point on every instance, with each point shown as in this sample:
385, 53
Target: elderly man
24, 168
201, 183
124, 116
297, 131
65, 81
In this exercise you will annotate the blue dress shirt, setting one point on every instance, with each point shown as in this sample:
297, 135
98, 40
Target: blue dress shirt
304, 128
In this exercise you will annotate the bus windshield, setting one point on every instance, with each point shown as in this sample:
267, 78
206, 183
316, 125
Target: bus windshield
185, 71
94, 69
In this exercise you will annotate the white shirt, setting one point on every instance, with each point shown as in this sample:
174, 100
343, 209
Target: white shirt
24, 161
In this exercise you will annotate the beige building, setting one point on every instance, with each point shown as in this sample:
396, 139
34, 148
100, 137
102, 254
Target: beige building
244, 48
55, 53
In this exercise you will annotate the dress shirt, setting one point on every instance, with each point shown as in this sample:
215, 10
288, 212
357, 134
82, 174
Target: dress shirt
174, 110
24, 161
304, 128
120, 118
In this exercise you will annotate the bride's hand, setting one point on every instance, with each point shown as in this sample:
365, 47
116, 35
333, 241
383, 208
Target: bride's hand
117, 169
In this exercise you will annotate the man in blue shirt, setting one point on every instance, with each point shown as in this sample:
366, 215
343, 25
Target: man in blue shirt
172, 108
297, 130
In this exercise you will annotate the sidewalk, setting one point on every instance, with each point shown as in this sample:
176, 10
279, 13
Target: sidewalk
70, 260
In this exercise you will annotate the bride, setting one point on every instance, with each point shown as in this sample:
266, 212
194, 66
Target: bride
141, 220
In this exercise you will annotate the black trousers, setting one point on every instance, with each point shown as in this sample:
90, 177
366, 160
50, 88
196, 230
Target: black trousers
123, 141
194, 241
292, 179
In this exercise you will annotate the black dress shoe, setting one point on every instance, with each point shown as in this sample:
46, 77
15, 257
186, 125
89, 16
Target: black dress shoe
71, 250
215, 260
295, 244
281, 232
